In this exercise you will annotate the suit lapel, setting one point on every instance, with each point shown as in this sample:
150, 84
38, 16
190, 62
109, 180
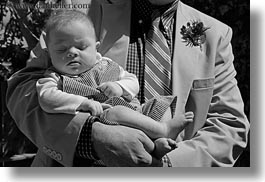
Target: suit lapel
184, 59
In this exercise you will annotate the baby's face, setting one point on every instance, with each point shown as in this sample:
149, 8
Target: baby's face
72, 48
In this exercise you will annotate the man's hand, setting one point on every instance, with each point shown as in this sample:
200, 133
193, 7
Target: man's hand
111, 89
118, 145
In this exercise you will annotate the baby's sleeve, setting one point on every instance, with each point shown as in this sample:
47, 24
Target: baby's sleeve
129, 83
52, 99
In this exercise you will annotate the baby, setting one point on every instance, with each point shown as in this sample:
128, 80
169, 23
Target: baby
81, 80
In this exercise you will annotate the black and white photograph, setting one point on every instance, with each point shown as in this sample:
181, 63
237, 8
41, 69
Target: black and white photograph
125, 83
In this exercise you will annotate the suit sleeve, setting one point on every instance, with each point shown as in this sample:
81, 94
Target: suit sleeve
55, 132
54, 100
225, 134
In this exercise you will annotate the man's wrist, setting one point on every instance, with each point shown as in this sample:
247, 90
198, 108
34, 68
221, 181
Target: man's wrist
93, 153
85, 143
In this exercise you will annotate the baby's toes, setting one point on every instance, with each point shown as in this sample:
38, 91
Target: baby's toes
172, 143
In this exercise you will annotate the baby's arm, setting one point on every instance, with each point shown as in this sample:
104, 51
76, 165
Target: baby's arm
129, 84
94, 107
54, 100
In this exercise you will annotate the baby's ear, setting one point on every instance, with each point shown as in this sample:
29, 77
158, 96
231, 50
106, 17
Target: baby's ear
97, 45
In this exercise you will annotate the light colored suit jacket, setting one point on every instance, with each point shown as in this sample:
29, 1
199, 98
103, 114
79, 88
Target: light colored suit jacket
203, 80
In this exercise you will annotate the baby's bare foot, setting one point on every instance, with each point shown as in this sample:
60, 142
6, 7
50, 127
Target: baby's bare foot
163, 146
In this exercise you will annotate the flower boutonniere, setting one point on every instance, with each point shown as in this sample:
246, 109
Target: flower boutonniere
194, 33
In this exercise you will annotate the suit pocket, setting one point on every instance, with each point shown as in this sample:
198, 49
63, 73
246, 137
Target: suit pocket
200, 84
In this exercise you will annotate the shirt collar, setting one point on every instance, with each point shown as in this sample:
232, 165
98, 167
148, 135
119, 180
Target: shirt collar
167, 13
146, 11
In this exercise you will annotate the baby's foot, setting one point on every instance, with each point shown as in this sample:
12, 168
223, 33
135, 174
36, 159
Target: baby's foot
163, 146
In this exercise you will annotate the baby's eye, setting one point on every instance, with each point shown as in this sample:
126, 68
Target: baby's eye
61, 50
83, 47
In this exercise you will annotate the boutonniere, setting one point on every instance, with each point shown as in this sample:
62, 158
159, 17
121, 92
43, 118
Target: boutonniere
194, 34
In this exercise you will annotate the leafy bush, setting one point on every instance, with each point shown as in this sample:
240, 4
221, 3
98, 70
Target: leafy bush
15, 25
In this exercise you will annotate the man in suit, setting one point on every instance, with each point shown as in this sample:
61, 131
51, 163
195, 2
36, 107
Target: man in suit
203, 79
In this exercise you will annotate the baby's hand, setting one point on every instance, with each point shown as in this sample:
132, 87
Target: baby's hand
95, 107
111, 89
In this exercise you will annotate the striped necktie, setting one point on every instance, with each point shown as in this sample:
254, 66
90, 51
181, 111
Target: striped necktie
158, 56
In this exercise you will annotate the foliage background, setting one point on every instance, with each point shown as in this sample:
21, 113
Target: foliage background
235, 13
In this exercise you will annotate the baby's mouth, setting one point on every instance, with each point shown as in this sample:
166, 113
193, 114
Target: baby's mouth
73, 63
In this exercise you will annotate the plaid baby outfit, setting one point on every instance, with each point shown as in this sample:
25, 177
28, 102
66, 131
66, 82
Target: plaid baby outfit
104, 71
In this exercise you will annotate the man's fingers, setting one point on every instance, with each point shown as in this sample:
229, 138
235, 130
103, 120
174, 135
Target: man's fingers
145, 160
148, 144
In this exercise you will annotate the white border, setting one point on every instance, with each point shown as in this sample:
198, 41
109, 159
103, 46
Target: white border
255, 173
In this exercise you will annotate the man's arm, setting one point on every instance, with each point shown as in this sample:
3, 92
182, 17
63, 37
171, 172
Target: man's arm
47, 131
222, 139
60, 132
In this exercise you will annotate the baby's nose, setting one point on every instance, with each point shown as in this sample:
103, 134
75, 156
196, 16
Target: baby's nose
72, 52
71, 55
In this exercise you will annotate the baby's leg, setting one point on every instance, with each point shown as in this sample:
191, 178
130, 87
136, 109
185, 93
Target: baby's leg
128, 117
163, 146
178, 123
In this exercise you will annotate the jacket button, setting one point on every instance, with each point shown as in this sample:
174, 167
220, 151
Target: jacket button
59, 157
49, 152
44, 149
53, 154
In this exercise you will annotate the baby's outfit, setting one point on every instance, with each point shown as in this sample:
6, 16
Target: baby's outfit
64, 93
108, 71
